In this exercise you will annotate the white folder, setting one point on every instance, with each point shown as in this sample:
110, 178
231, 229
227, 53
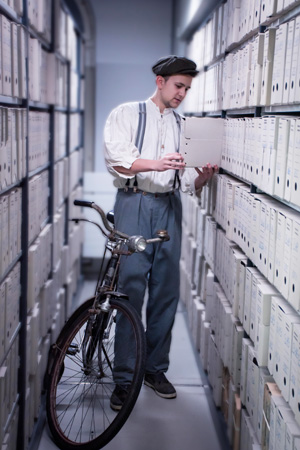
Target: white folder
6, 56
201, 141
268, 8
267, 68
22, 61
14, 154
258, 64
273, 213
24, 139
19, 143
290, 161
288, 61
295, 59
2, 320
295, 188
281, 158
6, 122
2, 185
279, 64
5, 248
15, 59
1, 220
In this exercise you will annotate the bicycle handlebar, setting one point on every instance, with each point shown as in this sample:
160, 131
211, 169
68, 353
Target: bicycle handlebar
162, 234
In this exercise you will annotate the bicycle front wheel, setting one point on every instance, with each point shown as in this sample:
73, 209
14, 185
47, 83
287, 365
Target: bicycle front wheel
80, 382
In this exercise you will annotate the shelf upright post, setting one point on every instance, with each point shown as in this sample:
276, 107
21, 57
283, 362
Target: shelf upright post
22, 382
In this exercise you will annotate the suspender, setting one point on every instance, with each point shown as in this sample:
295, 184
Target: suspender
178, 120
140, 139
141, 127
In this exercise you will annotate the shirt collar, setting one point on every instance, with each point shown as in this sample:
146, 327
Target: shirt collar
154, 107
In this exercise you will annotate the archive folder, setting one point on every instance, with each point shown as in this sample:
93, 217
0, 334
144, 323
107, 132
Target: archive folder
201, 141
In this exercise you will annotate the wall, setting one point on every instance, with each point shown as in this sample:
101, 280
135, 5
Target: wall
130, 37
189, 14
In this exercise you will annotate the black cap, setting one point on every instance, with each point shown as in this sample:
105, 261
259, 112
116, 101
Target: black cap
173, 65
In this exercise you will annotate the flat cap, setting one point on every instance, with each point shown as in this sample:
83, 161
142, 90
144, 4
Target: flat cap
173, 65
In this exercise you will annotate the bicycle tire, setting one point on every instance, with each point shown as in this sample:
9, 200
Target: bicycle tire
78, 403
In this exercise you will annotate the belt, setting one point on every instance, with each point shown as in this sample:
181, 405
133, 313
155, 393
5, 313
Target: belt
151, 194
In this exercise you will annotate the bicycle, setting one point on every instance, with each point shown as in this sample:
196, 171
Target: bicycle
81, 362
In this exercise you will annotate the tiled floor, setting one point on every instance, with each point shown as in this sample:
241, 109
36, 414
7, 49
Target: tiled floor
190, 421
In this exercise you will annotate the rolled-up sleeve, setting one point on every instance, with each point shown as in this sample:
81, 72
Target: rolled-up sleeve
119, 136
188, 181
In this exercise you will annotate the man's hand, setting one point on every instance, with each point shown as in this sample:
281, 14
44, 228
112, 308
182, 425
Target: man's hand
170, 161
204, 175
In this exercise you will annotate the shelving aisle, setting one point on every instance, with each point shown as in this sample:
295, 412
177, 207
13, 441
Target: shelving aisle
190, 421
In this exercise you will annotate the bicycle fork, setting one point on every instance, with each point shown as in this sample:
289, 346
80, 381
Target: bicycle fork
96, 333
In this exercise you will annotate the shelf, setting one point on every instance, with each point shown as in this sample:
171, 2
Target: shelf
14, 101
9, 12
241, 112
37, 105
36, 35
38, 170
259, 190
63, 109
11, 414
60, 159
10, 187
292, 108
42, 226
13, 338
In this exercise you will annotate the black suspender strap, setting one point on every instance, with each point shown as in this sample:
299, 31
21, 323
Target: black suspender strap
141, 127
139, 136
178, 120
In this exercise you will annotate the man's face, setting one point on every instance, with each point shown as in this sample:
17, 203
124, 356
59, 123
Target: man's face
174, 89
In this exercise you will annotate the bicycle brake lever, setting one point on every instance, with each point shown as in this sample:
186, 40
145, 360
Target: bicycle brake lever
163, 235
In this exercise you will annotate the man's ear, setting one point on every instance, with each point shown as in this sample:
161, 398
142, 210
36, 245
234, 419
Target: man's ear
160, 81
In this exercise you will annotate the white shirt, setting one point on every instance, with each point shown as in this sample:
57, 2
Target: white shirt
161, 137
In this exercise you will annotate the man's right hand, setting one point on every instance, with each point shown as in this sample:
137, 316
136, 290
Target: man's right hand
169, 161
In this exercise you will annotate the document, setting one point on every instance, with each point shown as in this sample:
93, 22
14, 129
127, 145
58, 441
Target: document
201, 141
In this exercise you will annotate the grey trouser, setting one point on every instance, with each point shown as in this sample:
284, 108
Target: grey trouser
157, 267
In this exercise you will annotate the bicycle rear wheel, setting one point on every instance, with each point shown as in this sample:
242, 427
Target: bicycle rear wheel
80, 383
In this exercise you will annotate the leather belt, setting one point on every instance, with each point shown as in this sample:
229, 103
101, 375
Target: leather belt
151, 194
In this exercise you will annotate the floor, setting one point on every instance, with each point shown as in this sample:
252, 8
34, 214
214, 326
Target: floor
190, 421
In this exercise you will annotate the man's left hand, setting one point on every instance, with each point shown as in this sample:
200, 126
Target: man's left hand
204, 175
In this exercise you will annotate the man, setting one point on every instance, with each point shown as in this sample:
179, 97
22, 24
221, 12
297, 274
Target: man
148, 199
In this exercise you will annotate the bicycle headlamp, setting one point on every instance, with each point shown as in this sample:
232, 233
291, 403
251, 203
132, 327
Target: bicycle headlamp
137, 244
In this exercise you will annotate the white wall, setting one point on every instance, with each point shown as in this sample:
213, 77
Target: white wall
131, 36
